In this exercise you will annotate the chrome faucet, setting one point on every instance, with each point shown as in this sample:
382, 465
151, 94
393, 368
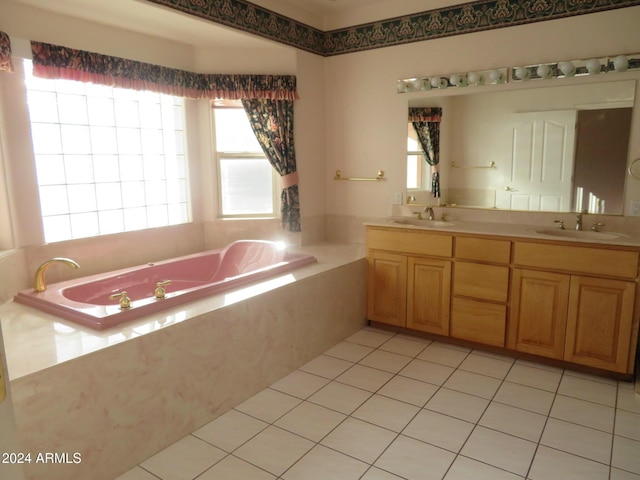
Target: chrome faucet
579, 221
429, 211
38, 281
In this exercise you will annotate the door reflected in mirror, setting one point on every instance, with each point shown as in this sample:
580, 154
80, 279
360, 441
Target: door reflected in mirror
554, 148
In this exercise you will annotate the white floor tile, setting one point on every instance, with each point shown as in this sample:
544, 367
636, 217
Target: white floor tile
534, 377
300, 384
375, 473
440, 430
578, 440
352, 352
617, 474
415, 460
551, 464
268, 405
626, 454
274, 450
387, 361
340, 397
232, 468
500, 450
464, 468
527, 398
386, 412
322, 463
325, 366
514, 421
585, 413
369, 338
473, 384
441, 355
427, 372
359, 439
408, 390
184, 460
628, 400
404, 345
628, 425
459, 405
310, 421
587, 389
485, 365
137, 473
366, 378
230, 430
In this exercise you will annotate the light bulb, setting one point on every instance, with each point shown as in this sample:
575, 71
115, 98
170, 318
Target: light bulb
544, 71
621, 63
523, 73
593, 66
567, 68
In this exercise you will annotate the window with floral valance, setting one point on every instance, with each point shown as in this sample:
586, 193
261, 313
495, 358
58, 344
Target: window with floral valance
271, 92
426, 122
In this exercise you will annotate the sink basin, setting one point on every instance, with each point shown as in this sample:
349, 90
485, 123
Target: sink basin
425, 223
578, 234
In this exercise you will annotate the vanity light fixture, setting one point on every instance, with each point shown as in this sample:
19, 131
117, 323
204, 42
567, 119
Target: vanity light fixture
523, 73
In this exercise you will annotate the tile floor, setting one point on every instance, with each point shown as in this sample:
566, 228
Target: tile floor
384, 406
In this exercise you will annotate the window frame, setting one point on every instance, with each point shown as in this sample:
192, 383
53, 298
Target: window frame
240, 156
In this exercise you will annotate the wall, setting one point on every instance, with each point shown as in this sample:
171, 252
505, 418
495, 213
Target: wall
366, 118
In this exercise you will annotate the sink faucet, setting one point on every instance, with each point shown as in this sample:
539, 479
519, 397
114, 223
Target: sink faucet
38, 282
429, 211
579, 221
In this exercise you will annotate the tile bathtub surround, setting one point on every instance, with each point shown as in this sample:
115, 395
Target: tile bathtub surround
384, 406
118, 404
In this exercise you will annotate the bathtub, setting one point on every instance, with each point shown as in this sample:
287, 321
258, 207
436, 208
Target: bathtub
87, 300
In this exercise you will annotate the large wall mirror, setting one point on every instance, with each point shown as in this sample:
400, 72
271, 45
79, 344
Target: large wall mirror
550, 148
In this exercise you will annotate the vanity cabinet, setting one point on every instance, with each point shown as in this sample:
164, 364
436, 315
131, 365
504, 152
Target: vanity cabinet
568, 301
582, 316
409, 279
480, 290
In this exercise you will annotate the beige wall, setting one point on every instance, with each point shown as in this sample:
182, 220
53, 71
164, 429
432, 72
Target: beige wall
366, 118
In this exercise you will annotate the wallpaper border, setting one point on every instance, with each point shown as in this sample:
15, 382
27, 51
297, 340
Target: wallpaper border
476, 16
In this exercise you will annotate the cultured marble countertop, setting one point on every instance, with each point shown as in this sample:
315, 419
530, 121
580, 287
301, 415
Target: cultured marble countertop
35, 340
550, 233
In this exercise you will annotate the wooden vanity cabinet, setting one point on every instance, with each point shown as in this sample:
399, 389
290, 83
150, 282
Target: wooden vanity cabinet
582, 316
409, 278
480, 290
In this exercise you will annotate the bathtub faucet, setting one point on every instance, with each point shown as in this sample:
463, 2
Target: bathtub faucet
38, 281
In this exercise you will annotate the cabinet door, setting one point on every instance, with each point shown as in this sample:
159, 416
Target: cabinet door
428, 295
599, 323
478, 321
537, 321
387, 288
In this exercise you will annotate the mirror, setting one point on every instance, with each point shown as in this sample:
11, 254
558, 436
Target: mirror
550, 148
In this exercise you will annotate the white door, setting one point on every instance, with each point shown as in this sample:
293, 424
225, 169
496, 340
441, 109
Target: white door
10, 454
538, 174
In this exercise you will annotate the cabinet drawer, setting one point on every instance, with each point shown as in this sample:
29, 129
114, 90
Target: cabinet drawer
577, 259
410, 241
483, 249
488, 282
478, 321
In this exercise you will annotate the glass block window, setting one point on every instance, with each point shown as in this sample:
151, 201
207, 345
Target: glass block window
108, 160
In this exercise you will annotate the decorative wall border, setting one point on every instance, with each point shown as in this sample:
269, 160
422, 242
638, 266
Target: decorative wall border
469, 17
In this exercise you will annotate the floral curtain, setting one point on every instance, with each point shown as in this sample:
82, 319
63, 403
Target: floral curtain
52, 61
272, 123
5, 53
426, 122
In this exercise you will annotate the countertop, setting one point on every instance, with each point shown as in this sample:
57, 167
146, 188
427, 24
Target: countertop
524, 231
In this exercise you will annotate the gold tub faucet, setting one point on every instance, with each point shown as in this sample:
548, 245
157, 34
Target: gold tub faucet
38, 281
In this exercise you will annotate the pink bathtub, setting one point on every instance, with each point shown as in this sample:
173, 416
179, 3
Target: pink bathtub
86, 300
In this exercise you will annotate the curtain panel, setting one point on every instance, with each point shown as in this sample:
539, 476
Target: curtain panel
5, 53
272, 123
56, 62
426, 122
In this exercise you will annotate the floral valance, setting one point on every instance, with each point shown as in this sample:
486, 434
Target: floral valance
421, 114
5, 53
52, 61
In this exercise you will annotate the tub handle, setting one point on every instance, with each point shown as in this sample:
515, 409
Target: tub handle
160, 291
125, 301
